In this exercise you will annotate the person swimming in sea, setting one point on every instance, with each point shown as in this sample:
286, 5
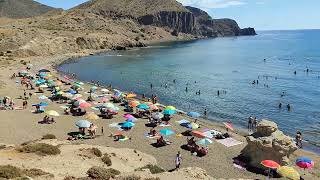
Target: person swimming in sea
186, 89
218, 93
289, 107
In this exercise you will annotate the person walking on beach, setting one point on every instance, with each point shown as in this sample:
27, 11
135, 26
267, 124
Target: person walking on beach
178, 160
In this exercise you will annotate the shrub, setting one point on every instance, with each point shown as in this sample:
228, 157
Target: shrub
49, 136
34, 172
152, 178
96, 152
106, 159
131, 177
154, 169
41, 149
9, 172
102, 173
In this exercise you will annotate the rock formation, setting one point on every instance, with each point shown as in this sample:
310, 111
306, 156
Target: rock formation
268, 143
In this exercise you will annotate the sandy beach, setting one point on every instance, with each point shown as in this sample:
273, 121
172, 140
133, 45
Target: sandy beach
18, 126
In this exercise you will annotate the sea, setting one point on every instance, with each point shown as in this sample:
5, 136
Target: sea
253, 75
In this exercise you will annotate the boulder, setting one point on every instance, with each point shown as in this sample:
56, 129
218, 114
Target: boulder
268, 143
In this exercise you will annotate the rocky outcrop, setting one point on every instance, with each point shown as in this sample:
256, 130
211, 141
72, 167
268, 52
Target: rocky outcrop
179, 21
268, 143
208, 27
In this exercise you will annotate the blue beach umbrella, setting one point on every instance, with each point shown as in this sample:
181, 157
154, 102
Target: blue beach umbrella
169, 112
193, 114
166, 132
71, 91
127, 125
131, 120
204, 142
143, 106
83, 124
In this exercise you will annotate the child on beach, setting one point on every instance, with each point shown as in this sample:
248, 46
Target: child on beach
178, 160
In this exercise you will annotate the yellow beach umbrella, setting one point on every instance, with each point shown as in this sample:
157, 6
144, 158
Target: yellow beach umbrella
52, 113
92, 116
170, 108
288, 172
131, 95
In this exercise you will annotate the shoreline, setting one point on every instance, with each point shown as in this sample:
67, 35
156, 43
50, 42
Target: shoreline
212, 121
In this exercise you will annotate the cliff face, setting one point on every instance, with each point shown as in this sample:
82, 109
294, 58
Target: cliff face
208, 27
179, 21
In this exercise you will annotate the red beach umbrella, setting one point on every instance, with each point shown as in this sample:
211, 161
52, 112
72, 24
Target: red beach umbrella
198, 134
228, 125
270, 164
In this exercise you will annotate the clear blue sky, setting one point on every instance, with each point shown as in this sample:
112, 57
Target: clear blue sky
261, 14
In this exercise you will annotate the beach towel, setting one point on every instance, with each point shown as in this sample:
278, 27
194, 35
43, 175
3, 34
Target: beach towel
211, 133
229, 142
114, 125
18, 108
183, 121
124, 139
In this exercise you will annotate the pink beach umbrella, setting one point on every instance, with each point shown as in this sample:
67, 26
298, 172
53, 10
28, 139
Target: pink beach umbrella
128, 116
304, 162
85, 105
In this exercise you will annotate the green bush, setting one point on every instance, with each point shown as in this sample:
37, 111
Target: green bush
41, 149
106, 159
96, 152
49, 136
9, 172
131, 177
35, 172
154, 169
102, 173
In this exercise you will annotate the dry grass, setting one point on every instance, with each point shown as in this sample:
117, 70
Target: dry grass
154, 169
49, 136
106, 159
102, 173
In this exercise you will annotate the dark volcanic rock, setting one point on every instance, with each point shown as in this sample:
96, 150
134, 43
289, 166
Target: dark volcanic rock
248, 32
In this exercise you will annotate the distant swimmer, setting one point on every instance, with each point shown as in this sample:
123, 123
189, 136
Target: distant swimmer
295, 72
264, 60
257, 81
218, 93
186, 89
307, 70
151, 85
280, 105
254, 82
174, 81
289, 107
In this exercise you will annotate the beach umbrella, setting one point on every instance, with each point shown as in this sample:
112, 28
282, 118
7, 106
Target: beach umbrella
128, 116
43, 97
59, 93
270, 164
108, 105
198, 134
170, 108
57, 83
131, 95
103, 99
166, 132
85, 105
52, 113
192, 125
83, 124
304, 162
43, 104
127, 124
288, 172
44, 71
143, 106
228, 125
94, 87
169, 112
71, 91
153, 107
157, 115
92, 116
193, 114
77, 95
134, 103
204, 142
114, 109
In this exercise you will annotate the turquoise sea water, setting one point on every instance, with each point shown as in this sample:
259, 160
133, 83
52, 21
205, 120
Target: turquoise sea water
224, 64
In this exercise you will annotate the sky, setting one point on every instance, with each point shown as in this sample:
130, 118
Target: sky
260, 14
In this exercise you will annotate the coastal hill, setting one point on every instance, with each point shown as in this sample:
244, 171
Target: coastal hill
22, 8
104, 24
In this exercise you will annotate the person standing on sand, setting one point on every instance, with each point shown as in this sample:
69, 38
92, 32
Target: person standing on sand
254, 123
250, 123
299, 139
178, 160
